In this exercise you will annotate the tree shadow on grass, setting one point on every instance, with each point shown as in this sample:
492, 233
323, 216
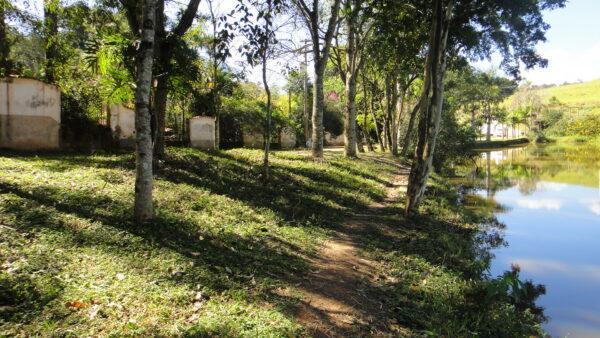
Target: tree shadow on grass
221, 262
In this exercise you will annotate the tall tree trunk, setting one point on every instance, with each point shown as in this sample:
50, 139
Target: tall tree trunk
5, 62
350, 117
351, 8
488, 136
144, 209
267, 133
164, 49
160, 109
305, 113
409, 130
320, 57
360, 140
317, 109
377, 133
390, 121
51, 8
431, 109
366, 133
395, 112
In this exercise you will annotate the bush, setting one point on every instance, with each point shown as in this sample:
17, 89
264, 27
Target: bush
585, 124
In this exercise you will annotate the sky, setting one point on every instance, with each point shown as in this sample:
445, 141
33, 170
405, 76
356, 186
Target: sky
572, 47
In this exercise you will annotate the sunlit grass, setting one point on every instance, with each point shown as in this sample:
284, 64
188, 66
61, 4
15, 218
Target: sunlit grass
74, 262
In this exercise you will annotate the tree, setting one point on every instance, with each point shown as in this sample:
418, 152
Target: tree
261, 38
144, 209
166, 43
357, 26
5, 62
430, 105
320, 49
477, 27
51, 13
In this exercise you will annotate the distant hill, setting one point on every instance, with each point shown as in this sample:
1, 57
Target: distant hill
585, 94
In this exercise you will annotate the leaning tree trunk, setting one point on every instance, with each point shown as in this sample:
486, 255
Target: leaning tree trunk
431, 109
144, 209
408, 135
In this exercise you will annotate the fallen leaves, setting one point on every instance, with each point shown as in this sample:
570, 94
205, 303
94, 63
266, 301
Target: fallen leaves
75, 305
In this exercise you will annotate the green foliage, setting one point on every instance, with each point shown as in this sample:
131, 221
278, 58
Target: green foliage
434, 271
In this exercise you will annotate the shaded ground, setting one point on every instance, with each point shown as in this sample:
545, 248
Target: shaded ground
322, 249
341, 295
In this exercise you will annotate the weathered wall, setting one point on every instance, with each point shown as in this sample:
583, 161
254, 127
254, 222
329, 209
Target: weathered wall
288, 139
253, 139
29, 114
122, 124
202, 132
334, 141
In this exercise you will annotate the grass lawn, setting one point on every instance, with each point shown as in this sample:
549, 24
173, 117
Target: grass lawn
226, 253
222, 248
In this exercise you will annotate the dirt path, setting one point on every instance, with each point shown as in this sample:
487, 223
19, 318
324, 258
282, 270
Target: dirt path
340, 295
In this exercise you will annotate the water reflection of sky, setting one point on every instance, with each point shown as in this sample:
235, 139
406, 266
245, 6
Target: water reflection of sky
553, 233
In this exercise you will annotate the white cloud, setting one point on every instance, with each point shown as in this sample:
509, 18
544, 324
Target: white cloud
543, 203
567, 65
540, 266
592, 204
552, 186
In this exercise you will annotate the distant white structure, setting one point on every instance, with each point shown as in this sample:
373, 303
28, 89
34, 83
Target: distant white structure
287, 139
253, 139
502, 130
330, 140
29, 114
202, 132
122, 124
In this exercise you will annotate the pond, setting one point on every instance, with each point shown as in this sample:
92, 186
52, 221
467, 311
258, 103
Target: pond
548, 198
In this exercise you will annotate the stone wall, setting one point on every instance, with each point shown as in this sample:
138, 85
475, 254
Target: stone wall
202, 132
122, 124
29, 114
287, 139
253, 139
336, 141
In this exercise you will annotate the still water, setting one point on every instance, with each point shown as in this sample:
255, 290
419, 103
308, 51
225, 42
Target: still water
549, 200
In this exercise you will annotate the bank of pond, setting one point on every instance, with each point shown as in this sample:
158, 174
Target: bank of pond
547, 200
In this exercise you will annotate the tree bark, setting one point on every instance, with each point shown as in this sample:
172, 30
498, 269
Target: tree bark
409, 130
431, 108
160, 108
164, 50
320, 57
366, 133
305, 114
350, 117
317, 112
267, 133
488, 136
353, 63
144, 209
